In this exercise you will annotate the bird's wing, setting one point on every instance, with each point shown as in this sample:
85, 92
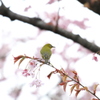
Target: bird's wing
46, 54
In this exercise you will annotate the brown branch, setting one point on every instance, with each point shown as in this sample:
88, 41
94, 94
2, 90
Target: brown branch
57, 20
42, 25
82, 86
76, 81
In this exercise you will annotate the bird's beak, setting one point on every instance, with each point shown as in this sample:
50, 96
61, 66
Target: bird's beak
53, 47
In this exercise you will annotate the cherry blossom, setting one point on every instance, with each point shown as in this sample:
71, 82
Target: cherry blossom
36, 82
32, 64
25, 73
95, 58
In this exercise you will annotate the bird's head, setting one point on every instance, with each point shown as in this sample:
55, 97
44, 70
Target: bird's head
49, 45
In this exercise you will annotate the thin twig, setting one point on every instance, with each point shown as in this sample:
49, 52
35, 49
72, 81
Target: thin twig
57, 20
78, 83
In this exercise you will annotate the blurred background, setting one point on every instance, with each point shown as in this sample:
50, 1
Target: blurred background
81, 17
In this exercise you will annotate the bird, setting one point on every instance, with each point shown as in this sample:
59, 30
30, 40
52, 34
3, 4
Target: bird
46, 52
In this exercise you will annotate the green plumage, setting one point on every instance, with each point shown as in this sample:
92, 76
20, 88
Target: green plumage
46, 52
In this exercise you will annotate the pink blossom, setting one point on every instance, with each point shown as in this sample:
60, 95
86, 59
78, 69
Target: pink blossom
32, 74
51, 1
15, 92
32, 64
25, 73
95, 58
2, 79
81, 24
37, 82
27, 8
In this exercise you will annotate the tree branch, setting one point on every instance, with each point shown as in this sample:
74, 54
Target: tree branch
42, 25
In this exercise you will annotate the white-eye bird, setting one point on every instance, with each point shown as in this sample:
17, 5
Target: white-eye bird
46, 52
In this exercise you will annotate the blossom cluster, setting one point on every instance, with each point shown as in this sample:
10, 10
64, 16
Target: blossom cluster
30, 70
